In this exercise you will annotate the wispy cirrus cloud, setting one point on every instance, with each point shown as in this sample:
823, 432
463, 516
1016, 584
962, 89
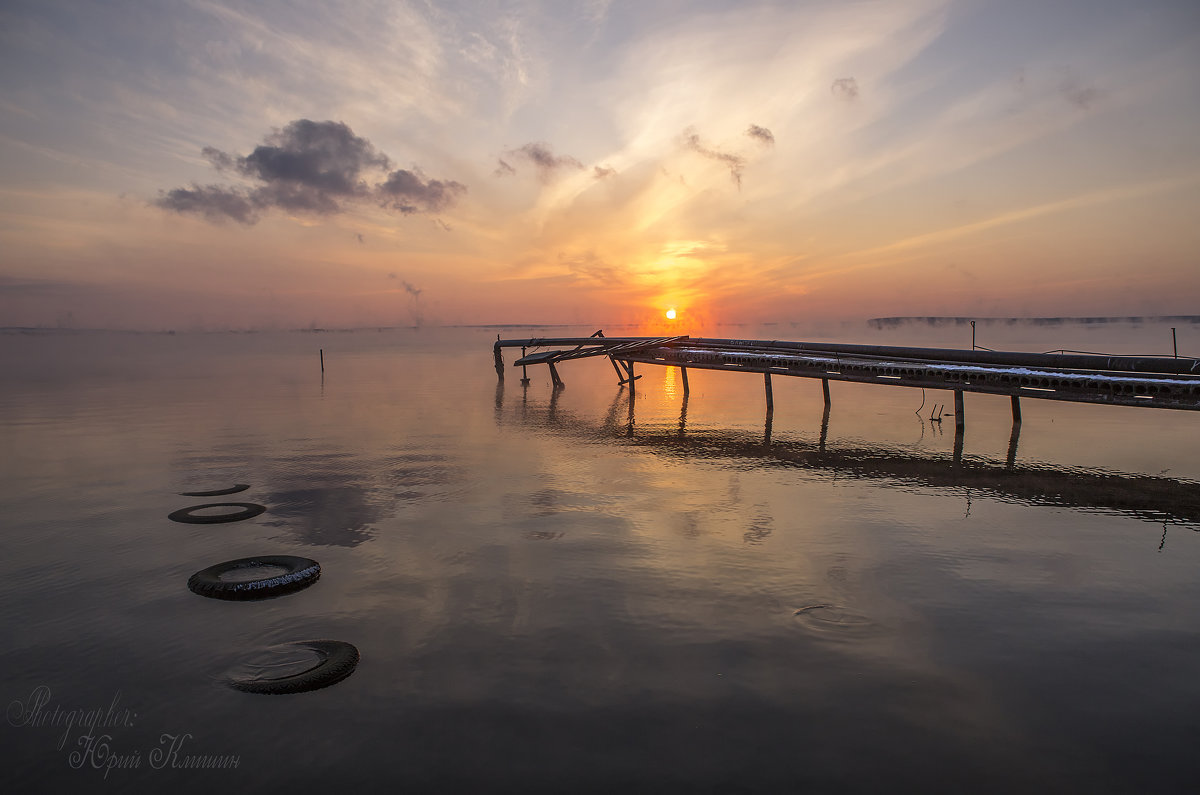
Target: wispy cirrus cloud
541, 156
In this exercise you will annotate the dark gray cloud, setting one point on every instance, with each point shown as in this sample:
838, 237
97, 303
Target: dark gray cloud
761, 134
844, 88
220, 160
215, 202
541, 157
408, 192
735, 163
310, 167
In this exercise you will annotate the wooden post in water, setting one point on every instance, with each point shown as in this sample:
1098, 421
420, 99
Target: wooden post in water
770, 397
1174, 344
683, 371
322, 361
960, 419
825, 389
1016, 408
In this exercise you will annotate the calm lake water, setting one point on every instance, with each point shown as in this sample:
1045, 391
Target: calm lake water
560, 591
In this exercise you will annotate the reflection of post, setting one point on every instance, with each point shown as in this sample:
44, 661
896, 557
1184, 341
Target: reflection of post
499, 397
960, 426
629, 426
683, 414
610, 419
824, 428
683, 370
825, 389
552, 414
1012, 444
770, 397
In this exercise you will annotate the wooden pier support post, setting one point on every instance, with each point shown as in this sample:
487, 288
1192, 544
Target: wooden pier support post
558, 382
1016, 408
499, 358
770, 397
620, 375
524, 369
960, 419
632, 380
683, 372
825, 390
824, 428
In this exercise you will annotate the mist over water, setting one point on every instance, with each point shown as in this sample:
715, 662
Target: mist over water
576, 590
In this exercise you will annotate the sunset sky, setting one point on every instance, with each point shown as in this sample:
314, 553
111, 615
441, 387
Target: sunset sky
200, 164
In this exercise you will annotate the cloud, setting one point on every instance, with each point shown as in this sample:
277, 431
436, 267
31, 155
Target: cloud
220, 161
588, 267
735, 163
1078, 94
503, 169
761, 134
408, 192
603, 172
312, 167
844, 88
214, 202
542, 157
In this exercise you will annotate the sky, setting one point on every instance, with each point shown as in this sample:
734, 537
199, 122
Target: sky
193, 164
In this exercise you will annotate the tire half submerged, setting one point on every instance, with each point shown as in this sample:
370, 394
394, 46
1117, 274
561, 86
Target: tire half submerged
336, 660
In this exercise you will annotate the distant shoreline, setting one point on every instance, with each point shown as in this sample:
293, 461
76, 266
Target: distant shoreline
937, 321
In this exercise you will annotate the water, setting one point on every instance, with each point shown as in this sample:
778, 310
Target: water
547, 596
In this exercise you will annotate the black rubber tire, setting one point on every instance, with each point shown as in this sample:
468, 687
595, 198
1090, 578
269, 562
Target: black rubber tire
301, 573
249, 511
234, 489
338, 660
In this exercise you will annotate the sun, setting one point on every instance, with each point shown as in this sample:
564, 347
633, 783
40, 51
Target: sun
671, 313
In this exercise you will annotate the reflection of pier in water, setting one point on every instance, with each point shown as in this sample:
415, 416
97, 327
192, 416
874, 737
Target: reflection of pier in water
1151, 498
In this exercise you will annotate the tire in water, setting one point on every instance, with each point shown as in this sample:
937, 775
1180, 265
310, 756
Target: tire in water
248, 511
298, 573
336, 660
234, 489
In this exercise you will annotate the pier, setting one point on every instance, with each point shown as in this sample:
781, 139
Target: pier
1162, 382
